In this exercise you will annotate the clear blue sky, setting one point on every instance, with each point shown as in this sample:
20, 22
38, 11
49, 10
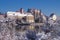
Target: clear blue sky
47, 6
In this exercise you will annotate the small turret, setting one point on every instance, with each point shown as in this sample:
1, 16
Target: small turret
53, 17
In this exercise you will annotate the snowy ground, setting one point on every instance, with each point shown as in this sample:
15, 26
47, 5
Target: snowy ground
8, 31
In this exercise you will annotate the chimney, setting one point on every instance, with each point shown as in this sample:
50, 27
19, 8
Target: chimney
21, 10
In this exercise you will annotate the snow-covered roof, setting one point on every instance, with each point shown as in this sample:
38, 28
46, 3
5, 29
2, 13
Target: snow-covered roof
19, 14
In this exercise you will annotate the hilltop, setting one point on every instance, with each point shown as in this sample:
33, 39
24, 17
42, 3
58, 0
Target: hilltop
16, 27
